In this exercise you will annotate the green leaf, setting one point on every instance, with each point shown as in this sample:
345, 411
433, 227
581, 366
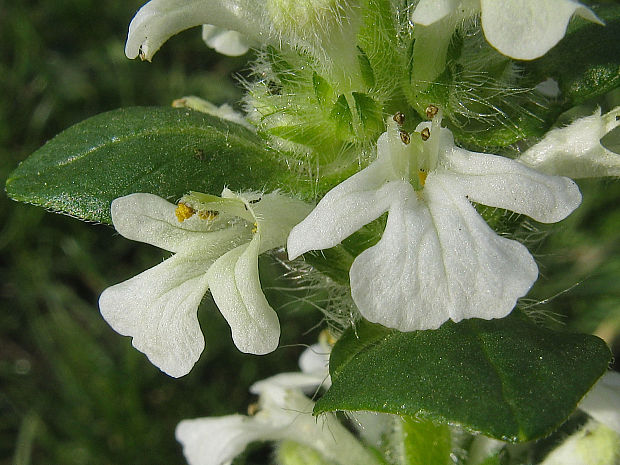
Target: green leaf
586, 62
368, 74
509, 378
425, 442
369, 113
164, 151
341, 114
322, 89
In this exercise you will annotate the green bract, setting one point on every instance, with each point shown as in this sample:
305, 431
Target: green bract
507, 379
163, 151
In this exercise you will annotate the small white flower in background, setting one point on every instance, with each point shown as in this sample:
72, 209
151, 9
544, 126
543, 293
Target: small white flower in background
224, 111
593, 444
284, 413
521, 29
216, 242
575, 150
437, 258
603, 401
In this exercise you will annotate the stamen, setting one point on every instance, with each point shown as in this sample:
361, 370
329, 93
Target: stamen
255, 228
183, 212
399, 117
208, 215
404, 136
426, 133
141, 54
253, 409
431, 111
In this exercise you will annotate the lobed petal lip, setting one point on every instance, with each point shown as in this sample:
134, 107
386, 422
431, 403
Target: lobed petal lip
236, 289
160, 313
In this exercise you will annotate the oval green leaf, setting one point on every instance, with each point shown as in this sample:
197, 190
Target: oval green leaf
163, 151
509, 379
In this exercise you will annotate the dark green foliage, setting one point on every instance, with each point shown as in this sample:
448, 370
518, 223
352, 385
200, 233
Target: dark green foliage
507, 378
163, 151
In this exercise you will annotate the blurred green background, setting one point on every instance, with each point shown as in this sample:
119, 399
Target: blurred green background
74, 392
71, 390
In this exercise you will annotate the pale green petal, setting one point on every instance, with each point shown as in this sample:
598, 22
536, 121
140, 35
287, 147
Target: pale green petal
159, 20
575, 150
428, 12
593, 444
236, 289
527, 29
275, 215
224, 111
157, 308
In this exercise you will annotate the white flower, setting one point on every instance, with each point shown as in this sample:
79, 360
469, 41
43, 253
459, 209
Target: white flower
603, 401
232, 26
158, 20
224, 111
521, 29
437, 258
593, 444
284, 413
216, 242
575, 150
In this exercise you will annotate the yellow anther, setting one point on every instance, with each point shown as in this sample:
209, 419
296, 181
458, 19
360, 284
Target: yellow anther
255, 228
183, 212
207, 215
422, 177
326, 337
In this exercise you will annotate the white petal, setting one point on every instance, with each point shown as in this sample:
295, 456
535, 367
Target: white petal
159, 20
501, 182
430, 11
236, 289
307, 383
315, 359
527, 29
575, 150
150, 219
372, 426
158, 309
350, 205
276, 214
603, 401
437, 262
224, 111
223, 41
217, 441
